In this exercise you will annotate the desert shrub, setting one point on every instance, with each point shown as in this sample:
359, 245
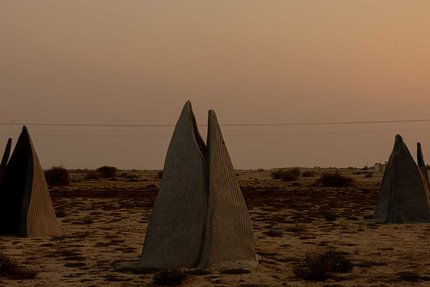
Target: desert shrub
107, 171
289, 174
334, 180
297, 228
57, 176
328, 215
169, 277
10, 269
273, 233
60, 212
321, 266
235, 271
309, 173
92, 175
368, 174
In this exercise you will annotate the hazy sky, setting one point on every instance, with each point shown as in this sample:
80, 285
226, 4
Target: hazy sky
265, 61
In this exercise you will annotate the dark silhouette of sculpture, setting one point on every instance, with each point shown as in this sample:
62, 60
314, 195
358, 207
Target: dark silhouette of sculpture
5, 158
403, 197
25, 204
421, 163
199, 217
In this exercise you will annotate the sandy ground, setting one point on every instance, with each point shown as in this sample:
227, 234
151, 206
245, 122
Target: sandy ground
104, 226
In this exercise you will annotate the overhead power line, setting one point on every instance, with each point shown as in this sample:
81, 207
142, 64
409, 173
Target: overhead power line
227, 134
225, 124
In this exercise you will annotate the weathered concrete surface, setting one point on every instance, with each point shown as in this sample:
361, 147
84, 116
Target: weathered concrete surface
199, 217
175, 232
421, 163
25, 204
404, 193
229, 241
5, 158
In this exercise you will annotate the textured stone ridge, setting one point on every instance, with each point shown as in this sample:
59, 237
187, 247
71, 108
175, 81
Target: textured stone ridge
199, 218
25, 204
229, 239
5, 158
175, 233
421, 162
404, 193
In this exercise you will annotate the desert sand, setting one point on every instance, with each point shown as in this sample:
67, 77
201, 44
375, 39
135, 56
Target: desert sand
104, 224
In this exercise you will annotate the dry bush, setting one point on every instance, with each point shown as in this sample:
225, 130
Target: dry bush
335, 179
57, 176
10, 269
321, 266
289, 174
107, 171
368, 174
327, 213
169, 277
297, 228
273, 233
92, 175
309, 173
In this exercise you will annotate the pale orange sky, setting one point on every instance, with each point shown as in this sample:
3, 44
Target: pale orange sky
271, 61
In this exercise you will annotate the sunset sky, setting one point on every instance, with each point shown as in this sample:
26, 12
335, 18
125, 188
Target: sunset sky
253, 62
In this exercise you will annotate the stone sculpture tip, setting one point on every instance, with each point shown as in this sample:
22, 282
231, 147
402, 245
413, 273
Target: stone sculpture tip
398, 139
420, 157
9, 144
212, 115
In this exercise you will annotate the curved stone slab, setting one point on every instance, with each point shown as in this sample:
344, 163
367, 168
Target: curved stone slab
403, 197
421, 162
175, 232
25, 204
229, 241
5, 158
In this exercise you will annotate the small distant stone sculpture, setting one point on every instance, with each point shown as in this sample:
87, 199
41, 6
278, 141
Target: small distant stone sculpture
403, 197
25, 204
5, 158
199, 218
421, 162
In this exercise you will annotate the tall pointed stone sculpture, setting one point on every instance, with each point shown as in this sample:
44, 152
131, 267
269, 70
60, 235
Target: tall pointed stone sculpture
175, 234
25, 204
199, 218
421, 162
229, 241
404, 193
5, 158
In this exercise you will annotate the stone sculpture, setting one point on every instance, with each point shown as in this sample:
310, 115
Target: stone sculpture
5, 158
229, 241
421, 162
199, 218
403, 197
25, 204
175, 235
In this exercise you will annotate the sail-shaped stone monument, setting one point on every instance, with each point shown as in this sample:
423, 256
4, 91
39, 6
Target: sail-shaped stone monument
403, 197
5, 158
421, 163
25, 204
199, 218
